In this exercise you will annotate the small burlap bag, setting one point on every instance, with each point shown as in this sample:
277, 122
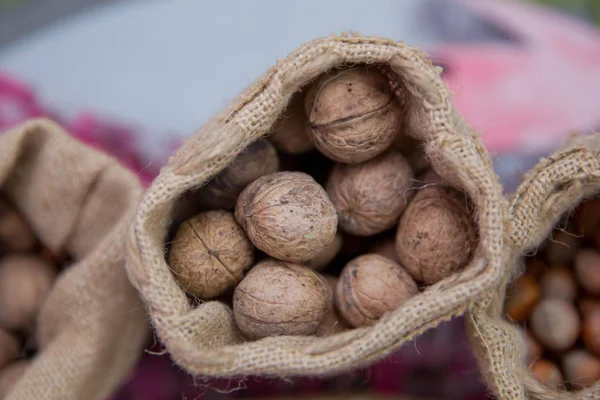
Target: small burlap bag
92, 328
555, 186
203, 339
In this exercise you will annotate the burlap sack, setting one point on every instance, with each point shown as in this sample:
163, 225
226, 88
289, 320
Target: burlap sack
92, 328
552, 188
203, 339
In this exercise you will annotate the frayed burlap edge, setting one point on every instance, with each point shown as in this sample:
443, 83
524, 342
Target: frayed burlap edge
203, 340
552, 188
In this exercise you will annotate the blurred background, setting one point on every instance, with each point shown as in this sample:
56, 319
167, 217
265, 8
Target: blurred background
136, 77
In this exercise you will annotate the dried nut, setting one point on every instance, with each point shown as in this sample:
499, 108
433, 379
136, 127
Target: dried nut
10, 374
581, 369
436, 236
563, 247
555, 323
15, 233
10, 347
386, 248
532, 346
370, 286
522, 297
559, 282
25, 281
413, 151
353, 115
258, 159
587, 218
278, 298
535, 268
370, 197
333, 322
289, 133
210, 254
547, 372
325, 256
287, 215
591, 333
588, 305
587, 268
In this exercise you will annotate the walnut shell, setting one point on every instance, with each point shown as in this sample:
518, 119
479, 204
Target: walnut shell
15, 233
386, 248
332, 322
325, 256
10, 374
210, 254
287, 215
353, 114
555, 323
436, 235
289, 133
370, 286
278, 298
10, 347
370, 197
25, 281
258, 159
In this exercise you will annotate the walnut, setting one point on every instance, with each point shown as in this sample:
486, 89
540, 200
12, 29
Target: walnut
353, 115
10, 347
370, 197
325, 256
10, 375
210, 254
15, 233
332, 322
386, 248
278, 298
289, 133
287, 215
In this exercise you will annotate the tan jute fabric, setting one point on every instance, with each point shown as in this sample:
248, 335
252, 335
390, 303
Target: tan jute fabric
92, 328
203, 339
551, 189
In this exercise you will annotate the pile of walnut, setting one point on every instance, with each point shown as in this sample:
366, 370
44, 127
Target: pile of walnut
557, 301
27, 273
330, 222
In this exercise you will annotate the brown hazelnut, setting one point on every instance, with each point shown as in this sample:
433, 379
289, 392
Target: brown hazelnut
25, 281
547, 373
588, 305
370, 286
587, 218
370, 197
10, 374
332, 322
559, 282
581, 369
210, 254
555, 323
278, 298
386, 248
289, 133
15, 233
521, 298
590, 333
325, 256
258, 159
587, 269
10, 347
352, 114
287, 215
533, 348
563, 247
436, 235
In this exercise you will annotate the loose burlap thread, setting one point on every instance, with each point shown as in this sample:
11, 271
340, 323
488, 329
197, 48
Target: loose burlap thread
92, 328
555, 186
203, 339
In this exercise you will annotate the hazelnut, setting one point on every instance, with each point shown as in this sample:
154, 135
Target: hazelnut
332, 322
590, 333
287, 215
521, 298
559, 282
258, 159
563, 247
352, 114
278, 298
587, 269
370, 197
588, 305
325, 256
581, 369
436, 235
10, 374
25, 281
10, 347
547, 373
587, 218
370, 286
533, 348
555, 323
15, 233
289, 133
210, 254
386, 248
